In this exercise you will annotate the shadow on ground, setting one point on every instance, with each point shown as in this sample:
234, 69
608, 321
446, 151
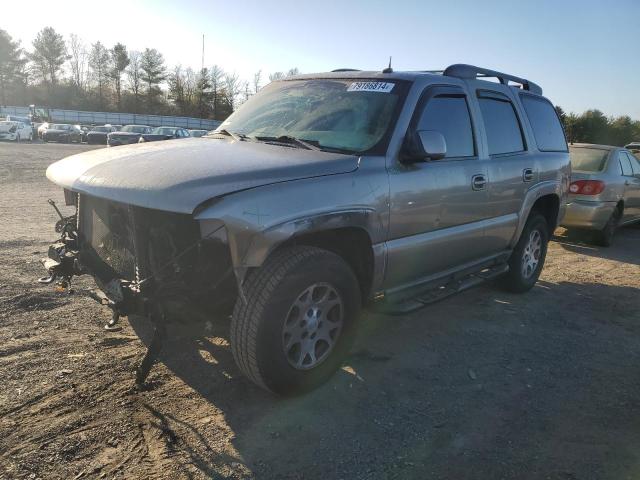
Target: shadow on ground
483, 385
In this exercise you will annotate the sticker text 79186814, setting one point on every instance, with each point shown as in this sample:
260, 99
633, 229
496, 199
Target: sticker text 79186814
384, 87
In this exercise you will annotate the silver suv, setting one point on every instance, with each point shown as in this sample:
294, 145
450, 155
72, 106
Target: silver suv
321, 194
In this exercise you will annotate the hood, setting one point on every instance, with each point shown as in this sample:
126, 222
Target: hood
55, 130
125, 134
94, 133
179, 176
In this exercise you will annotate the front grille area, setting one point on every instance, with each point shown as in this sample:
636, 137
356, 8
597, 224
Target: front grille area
120, 241
132, 243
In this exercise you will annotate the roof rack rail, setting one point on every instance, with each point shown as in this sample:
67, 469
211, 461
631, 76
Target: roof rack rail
461, 70
345, 70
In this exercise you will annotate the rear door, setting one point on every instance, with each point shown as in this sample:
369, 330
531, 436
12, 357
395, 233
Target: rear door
511, 172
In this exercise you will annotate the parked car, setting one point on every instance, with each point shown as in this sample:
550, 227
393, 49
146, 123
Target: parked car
634, 147
98, 135
605, 190
198, 133
60, 132
320, 194
164, 133
127, 135
15, 131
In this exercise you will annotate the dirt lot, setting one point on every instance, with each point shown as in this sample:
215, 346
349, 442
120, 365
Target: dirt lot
482, 385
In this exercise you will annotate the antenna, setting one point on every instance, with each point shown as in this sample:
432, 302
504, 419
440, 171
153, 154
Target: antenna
202, 67
388, 69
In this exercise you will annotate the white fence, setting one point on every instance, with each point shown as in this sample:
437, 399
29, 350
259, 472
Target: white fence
100, 118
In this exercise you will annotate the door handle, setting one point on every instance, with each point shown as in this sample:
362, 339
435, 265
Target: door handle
527, 175
478, 182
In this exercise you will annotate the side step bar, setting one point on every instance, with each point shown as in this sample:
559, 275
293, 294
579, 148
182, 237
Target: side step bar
437, 291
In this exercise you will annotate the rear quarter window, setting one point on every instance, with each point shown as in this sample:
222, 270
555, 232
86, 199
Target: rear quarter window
545, 124
588, 159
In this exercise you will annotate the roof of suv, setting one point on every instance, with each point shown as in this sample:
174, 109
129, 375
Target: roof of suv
458, 71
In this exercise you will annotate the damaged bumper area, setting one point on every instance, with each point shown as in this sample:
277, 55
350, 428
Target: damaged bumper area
144, 262
141, 257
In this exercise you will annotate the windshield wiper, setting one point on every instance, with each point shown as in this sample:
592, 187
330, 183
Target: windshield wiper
235, 136
291, 141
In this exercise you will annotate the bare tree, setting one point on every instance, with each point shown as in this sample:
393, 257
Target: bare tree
134, 79
256, 81
232, 89
293, 71
78, 62
276, 76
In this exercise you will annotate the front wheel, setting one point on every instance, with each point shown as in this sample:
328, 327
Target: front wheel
527, 258
297, 321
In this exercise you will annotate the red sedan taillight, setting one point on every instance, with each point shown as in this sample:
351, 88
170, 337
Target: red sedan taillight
587, 187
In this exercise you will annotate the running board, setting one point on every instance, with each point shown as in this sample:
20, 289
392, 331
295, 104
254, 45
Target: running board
438, 291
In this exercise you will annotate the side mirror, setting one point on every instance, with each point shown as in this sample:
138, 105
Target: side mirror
425, 145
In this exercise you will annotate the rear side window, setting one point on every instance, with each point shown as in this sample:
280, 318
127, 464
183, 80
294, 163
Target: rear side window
545, 124
635, 165
625, 164
588, 159
504, 133
449, 115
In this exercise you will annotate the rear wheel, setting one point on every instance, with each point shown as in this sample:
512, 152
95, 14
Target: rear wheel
527, 259
298, 321
605, 236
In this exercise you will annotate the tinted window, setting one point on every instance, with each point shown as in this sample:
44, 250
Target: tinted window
635, 165
501, 123
450, 116
625, 163
588, 159
545, 124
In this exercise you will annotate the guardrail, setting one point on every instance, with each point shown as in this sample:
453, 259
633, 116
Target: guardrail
115, 118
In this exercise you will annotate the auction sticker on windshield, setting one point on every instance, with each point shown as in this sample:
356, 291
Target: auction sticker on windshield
384, 87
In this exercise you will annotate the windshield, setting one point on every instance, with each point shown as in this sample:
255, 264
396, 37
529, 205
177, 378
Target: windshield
164, 131
59, 127
588, 159
134, 129
101, 129
348, 115
197, 133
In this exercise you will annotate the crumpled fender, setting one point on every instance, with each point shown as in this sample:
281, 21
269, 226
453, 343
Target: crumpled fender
258, 220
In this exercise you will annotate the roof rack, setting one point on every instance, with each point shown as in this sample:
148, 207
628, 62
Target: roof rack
345, 70
469, 72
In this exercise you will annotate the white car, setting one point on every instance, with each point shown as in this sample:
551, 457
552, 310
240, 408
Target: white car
16, 131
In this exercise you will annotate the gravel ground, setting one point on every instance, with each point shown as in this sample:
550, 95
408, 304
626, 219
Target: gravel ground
485, 384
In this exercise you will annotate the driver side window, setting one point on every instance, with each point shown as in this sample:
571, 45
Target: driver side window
449, 115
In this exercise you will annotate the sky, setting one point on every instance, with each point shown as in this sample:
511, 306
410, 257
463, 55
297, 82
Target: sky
584, 53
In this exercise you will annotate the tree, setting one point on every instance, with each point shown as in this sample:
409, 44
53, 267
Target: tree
134, 77
275, 76
49, 54
232, 89
217, 81
78, 62
11, 65
176, 82
100, 64
153, 72
119, 62
256, 81
203, 93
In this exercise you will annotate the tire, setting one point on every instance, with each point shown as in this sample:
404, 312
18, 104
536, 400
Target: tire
523, 275
277, 295
604, 237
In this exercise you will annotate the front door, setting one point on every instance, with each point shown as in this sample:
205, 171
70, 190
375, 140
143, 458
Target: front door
438, 206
